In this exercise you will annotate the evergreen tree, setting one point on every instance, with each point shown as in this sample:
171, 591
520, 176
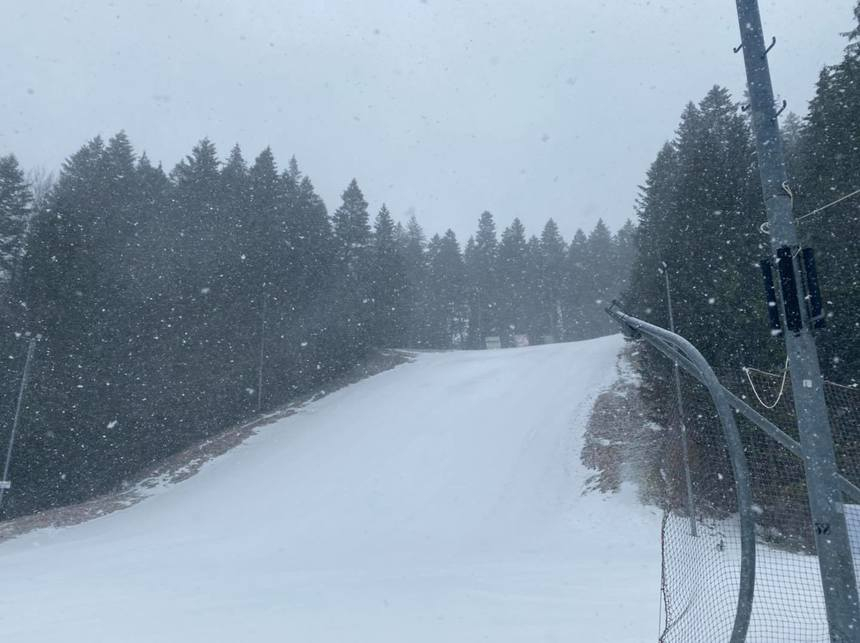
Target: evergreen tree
550, 283
197, 222
198, 207
532, 298
239, 286
483, 282
235, 190
388, 283
512, 301
351, 229
854, 35
575, 286
312, 239
601, 279
699, 216
15, 204
150, 260
413, 248
79, 291
267, 265
310, 262
655, 207
446, 292
166, 301
352, 332
267, 225
829, 164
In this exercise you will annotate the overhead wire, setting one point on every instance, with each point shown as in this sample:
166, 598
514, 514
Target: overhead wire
764, 228
824, 207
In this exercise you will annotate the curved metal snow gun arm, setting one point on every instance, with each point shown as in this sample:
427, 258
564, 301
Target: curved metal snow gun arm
691, 360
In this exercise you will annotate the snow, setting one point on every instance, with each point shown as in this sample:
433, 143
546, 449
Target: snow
439, 501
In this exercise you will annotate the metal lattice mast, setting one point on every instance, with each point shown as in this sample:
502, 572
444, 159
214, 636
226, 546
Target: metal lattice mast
825, 500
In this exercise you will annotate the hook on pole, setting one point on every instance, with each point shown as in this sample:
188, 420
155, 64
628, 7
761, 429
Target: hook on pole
782, 109
738, 48
769, 47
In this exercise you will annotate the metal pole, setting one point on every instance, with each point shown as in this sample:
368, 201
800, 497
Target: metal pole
4, 481
685, 450
262, 355
813, 423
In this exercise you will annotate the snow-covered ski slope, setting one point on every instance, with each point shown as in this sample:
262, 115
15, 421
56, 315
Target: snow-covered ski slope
437, 502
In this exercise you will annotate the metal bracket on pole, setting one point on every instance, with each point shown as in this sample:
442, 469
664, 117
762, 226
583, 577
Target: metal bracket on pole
782, 108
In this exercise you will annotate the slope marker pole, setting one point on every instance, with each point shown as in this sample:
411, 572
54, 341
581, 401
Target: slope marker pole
5, 483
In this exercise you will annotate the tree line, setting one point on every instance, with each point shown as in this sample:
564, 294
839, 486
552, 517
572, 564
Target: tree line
172, 305
700, 213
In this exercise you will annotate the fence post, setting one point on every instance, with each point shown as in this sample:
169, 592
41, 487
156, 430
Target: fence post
825, 501
262, 356
691, 508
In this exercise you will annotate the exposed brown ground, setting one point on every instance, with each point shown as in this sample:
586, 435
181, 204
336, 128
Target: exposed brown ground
616, 432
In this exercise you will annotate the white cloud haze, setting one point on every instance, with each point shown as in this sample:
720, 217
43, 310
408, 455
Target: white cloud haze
530, 109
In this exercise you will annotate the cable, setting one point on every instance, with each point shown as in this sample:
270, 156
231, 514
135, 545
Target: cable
747, 369
850, 387
824, 207
764, 228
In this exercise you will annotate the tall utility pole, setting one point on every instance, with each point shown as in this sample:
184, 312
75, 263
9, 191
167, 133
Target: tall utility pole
681, 424
813, 423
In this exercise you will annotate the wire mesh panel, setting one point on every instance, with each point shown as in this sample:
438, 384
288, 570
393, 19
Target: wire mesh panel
789, 601
843, 403
737, 506
701, 572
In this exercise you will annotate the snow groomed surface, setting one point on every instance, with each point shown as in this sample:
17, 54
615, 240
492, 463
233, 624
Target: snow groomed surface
439, 501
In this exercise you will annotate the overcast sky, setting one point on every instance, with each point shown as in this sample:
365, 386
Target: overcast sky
531, 108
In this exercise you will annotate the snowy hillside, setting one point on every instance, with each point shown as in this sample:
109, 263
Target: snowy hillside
439, 501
